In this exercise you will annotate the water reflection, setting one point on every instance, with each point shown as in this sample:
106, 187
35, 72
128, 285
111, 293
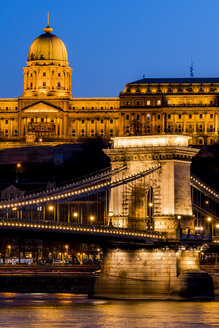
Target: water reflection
67, 310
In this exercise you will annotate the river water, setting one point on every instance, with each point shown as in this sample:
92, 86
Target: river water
66, 310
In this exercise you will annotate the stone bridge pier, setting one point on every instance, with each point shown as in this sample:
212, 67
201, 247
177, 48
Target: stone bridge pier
161, 200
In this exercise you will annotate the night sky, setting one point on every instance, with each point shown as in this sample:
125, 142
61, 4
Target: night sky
112, 42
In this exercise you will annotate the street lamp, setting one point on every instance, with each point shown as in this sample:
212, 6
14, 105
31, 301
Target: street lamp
9, 250
209, 219
150, 204
92, 218
51, 208
75, 214
110, 221
18, 167
66, 246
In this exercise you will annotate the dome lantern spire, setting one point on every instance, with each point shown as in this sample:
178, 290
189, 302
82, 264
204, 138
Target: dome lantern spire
48, 29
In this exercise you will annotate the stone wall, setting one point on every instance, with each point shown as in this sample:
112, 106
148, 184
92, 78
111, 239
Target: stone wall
143, 274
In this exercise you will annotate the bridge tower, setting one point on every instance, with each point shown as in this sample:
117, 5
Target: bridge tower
161, 200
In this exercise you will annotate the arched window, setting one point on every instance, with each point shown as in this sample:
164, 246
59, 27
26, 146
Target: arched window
59, 85
44, 85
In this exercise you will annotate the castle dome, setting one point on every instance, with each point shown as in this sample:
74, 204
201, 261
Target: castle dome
47, 46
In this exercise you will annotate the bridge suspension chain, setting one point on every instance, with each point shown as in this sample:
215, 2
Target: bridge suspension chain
101, 184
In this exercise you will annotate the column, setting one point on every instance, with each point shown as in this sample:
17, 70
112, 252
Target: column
65, 87
57, 212
69, 213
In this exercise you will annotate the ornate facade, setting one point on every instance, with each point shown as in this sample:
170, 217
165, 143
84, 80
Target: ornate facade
47, 111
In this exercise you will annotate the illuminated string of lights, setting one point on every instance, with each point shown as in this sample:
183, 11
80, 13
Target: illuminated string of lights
98, 230
83, 182
75, 193
195, 182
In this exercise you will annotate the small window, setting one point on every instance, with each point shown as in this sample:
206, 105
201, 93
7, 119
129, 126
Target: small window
180, 128
138, 117
211, 102
200, 115
6, 108
31, 75
158, 128
158, 116
52, 120
92, 107
44, 84
169, 116
127, 129
127, 117
73, 133
82, 132
92, 121
200, 128
137, 102
158, 102
101, 107
15, 108
59, 74
127, 103
200, 141
42, 119
6, 121
111, 107
31, 85
111, 133
211, 115
92, 133
180, 116
148, 129
190, 115
169, 102
111, 121
169, 128
44, 73
101, 121
101, 133
6, 133
211, 141
59, 85
73, 107
82, 121
32, 120
15, 133
148, 102
211, 128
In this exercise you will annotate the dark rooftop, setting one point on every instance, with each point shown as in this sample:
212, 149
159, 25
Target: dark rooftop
177, 80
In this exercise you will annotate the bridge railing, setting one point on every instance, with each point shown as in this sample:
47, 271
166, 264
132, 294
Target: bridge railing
64, 226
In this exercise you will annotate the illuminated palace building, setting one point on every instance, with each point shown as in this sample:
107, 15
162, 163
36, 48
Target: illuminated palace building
47, 111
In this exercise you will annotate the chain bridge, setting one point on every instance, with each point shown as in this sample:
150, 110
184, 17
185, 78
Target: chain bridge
147, 198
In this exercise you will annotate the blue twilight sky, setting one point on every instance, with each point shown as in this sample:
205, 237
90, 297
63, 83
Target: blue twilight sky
112, 42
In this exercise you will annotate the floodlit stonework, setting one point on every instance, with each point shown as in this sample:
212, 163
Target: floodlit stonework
161, 199
47, 111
